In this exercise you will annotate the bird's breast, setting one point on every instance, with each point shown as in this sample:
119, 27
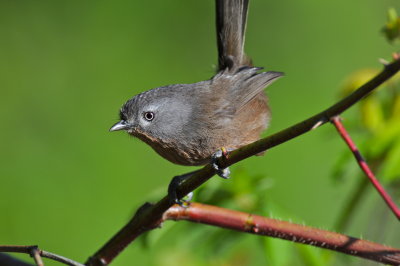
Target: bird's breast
183, 152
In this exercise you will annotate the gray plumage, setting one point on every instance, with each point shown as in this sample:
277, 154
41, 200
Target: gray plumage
187, 123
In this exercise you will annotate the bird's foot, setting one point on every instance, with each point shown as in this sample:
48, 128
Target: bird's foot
222, 172
174, 185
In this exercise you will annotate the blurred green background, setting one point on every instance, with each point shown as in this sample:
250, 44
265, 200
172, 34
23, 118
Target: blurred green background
66, 67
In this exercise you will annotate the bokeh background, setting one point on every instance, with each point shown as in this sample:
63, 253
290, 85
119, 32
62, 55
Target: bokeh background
68, 185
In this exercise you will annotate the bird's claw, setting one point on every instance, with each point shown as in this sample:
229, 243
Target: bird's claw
173, 186
222, 172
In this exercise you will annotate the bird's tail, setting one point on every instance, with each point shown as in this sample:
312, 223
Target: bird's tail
231, 18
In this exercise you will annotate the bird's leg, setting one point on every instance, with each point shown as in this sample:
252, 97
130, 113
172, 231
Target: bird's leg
222, 153
173, 186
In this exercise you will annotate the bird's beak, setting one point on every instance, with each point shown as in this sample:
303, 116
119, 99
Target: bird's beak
121, 125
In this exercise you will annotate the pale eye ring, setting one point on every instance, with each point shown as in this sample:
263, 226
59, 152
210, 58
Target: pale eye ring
149, 116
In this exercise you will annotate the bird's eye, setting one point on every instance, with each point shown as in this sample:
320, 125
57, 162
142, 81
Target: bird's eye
149, 116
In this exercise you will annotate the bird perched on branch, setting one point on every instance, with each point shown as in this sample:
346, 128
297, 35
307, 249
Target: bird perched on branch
190, 124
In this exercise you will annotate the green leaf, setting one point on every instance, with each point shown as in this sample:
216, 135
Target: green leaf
278, 252
391, 167
392, 14
356, 80
372, 115
313, 256
396, 108
392, 27
384, 139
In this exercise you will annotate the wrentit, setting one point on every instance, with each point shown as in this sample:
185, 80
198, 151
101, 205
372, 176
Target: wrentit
188, 123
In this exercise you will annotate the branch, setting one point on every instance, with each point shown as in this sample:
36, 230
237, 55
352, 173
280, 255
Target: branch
149, 216
364, 166
254, 224
35, 252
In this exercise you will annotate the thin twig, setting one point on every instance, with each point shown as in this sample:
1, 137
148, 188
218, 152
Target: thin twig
150, 216
41, 253
364, 166
35, 253
254, 224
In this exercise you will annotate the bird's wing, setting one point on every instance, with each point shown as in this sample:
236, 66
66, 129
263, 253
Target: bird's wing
233, 91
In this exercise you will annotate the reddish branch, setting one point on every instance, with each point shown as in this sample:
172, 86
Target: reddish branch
148, 217
38, 254
254, 224
364, 166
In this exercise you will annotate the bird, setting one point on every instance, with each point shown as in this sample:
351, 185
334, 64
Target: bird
194, 124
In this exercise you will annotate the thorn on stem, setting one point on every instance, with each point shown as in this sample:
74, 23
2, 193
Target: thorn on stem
384, 62
319, 123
